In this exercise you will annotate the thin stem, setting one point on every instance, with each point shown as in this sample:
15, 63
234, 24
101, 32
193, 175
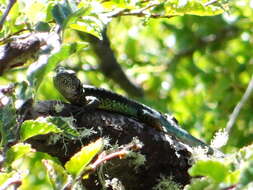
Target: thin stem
238, 107
10, 5
103, 157
140, 12
210, 2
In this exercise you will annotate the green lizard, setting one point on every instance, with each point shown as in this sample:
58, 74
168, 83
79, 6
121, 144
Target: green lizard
88, 96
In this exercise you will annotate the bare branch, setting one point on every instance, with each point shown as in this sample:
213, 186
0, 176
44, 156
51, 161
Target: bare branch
10, 5
210, 2
140, 13
19, 50
13, 181
238, 107
109, 65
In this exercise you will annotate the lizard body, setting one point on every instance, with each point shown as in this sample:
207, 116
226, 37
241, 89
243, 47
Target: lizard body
76, 93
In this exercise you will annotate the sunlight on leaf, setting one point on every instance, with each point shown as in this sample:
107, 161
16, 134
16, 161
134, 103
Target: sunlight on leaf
200, 184
80, 160
56, 174
214, 169
32, 128
17, 151
90, 25
5, 176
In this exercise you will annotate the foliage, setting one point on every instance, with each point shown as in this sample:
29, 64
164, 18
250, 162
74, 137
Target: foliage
224, 173
31, 128
167, 183
198, 67
80, 160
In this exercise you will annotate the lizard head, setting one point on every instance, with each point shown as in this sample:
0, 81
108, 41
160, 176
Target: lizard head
67, 83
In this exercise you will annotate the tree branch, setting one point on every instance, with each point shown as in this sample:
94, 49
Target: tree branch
10, 5
109, 65
18, 51
14, 181
162, 158
140, 12
238, 107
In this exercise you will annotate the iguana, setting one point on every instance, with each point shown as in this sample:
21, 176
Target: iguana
67, 83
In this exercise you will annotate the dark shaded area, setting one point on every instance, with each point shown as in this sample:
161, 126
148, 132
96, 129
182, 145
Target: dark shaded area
161, 156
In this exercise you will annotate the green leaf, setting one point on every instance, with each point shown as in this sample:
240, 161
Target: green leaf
90, 25
214, 169
23, 91
192, 7
66, 125
80, 160
42, 27
60, 13
32, 128
8, 124
200, 184
49, 12
56, 174
247, 173
233, 177
120, 4
17, 151
72, 18
4, 177
32, 169
64, 14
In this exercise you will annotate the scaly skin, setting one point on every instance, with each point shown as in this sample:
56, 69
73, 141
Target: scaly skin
71, 88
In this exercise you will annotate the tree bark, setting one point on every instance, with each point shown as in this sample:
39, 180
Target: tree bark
162, 159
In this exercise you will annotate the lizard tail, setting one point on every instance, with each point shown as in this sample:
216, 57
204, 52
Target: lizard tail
185, 137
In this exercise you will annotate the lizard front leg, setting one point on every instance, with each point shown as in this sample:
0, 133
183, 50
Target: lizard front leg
91, 103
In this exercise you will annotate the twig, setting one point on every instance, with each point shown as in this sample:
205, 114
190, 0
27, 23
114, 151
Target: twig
140, 12
210, 2
221, 5
238, 107
7, 38
14, 180
103, 157
10, 5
